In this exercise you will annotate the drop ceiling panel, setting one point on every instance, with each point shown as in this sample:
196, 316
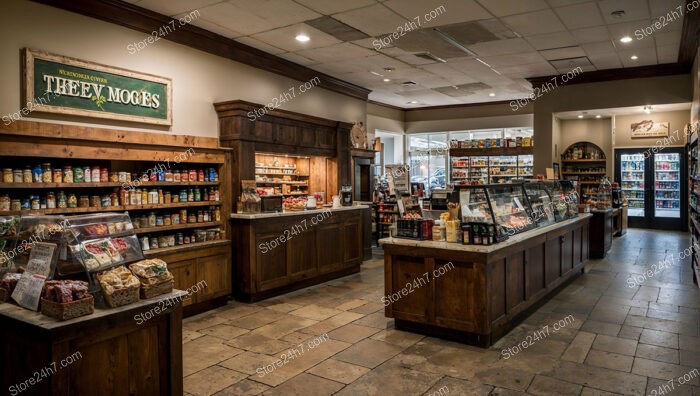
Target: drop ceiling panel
562, 53
445, 12
331, 7
591, 35
174, 7
539, 22
552, 40
260, 45
215, 28
667, 53
634, 10
290, 56
570, 64
531, 70
427, 40
276, 13
337, 29
501, 47
579, 16
514, 59
502, 8
335, 68
233, 18
647, 56
619, 30
599, 48
374, 20
285, 38
672, 38
336, 52
664, 7
605, 61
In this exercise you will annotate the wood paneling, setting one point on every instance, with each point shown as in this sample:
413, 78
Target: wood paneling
534, 270
184, 274
410, 286
515, 280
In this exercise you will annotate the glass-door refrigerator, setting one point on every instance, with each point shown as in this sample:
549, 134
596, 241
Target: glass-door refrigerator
652, 183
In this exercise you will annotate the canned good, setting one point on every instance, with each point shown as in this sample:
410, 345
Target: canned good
183, 215
200, 175
121, 176
57, 175
176, 176
166, 220
50, 200
154, 243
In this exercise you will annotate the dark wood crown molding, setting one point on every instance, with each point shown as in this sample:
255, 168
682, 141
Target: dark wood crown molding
689, 37
390, 106
144, 20
458, 106
667, 69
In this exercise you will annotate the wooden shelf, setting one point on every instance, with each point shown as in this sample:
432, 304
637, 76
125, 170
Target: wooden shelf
275, 167
181, 226
278, 174
496, 151
184, 248
119, 208
289, 182
585, 160
105, 185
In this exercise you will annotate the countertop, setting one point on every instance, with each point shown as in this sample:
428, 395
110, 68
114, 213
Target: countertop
254, 216
481, 248
14, 311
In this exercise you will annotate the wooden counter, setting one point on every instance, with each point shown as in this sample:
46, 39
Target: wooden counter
601, 232
275, 253
476, 294
111, 352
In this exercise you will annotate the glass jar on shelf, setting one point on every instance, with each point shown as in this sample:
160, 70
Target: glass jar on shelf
7, 175
67, 174
46, 173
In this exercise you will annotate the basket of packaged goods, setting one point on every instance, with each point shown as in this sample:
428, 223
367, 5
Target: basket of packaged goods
66, 299
119, 287
154, 277
8, 282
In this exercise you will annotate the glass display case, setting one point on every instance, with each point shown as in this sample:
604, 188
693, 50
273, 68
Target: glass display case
563, 195
474, 204
511, 208
540, 196
570, 198
8, 241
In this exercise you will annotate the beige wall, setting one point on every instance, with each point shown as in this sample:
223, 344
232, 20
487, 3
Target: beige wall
500, 115
676, 119
384, 118
596, 131
199, 79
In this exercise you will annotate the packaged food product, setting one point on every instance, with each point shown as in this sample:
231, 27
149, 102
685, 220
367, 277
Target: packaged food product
7, 175
8, 284
120, 287
66, 299
67, 174
98, 254
154, 277
78, 175
17, 176
27, 175
57, 175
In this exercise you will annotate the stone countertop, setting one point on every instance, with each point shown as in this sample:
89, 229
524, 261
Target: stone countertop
254, 216
482, 248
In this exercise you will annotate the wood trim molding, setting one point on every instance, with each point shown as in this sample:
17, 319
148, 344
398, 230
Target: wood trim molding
242, 107
689, 37
78, 132
146, 21
457, 106
667, 69
386, 105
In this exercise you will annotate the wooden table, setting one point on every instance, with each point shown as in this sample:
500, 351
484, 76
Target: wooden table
476, 294
111, 352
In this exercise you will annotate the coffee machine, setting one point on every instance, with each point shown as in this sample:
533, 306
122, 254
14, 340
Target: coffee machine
346, 194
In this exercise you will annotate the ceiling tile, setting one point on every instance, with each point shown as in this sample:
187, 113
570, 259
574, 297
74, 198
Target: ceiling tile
563, 53
336, 52
667, 53
647, 56
591, 35
331, 7
337, 29
501, 47
428, 13
215, 28
336, 68
277, 13
531, 70
236, 19
601, 47
580, 15
285, 38
562, 3
552, 40
533, 23
255, 43
631, 29
423, 40
174, 7
605, 61
566, 65
502, 8
668, 38
298, 59
375, 20
634, 10
414, 60
514, 59
667, 8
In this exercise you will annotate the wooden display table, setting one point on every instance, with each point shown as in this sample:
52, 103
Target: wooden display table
476, 294
116, 351
275, 253
601, 232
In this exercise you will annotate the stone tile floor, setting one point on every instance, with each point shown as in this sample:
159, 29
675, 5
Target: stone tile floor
625, 338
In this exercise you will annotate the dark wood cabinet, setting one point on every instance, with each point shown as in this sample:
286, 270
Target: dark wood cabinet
477, 295
620, 221
601, 232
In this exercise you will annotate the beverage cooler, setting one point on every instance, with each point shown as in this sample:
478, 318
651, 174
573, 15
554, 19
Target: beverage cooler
653, 184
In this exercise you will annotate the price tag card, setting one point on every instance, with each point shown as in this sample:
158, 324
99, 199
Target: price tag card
40, 258
28, 290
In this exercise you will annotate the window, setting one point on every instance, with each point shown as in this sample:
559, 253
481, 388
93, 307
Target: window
427, 155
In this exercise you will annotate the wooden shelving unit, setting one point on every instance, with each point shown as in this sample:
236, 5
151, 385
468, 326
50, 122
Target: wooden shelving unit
693, 157
584, 169
31, 143
296, 168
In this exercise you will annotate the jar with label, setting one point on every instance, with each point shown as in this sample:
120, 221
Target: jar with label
135, 196
72, 201
95, 201
162, 241
145, 244
176, 176
27, 175
175, 218
104, 175
185, 239
95, 174
175, 198
121, 176
200, 217
183, 195
152, 219
171, 240
166, 220
160, 175
212, 174
193, 175
159, 221
17, 176
15, 205
5, 202
179, 238
57, 175
190, 195
152, 197
114, 199
7, 175
46, 173
183, 216
106, 201
205, 216
200, 175
184, 175
84, 201
168, 176
37, 174
161, 198
192, 218
437, 232
87, 174
68, 174
167, 198
50, 200
78, 175
144, 196
113, 177
61, 200
154, 243
26, 204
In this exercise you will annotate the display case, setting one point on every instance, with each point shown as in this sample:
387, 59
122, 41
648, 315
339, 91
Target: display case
505, 205
569, 198
541, 197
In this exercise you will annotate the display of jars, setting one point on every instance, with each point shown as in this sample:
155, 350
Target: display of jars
27, 175
105, 201
184, 175
95, 201
61, 200
193, 175
67, 174
50, 200
113, 177
7, 175
175, 218
57, 175
84, 201
176, 176
78, 175
15, 205
152, 219
46, 173
72, 201
5, 202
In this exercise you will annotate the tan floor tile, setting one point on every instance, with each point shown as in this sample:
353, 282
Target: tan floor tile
352, 333
615, 344
223, 331
399, 338
613, 361
283, 307
376, 319
391, 380
305, 385
351, 304
249, 362
257, 319
297, 337
330, 324
579, 347
284, 326
691, 359
273, 347
339, 371
244, 388
455, 386
630, 332
653, 352
204, 352
600, 378
659, 338
689, 343
546, 386
663, 371
506, 392
211, 380
201, 322
189, 335
369, 353
593, 326
673, 388
595, 392
501, 375
248, 341
236, 311
315, 312
368, 308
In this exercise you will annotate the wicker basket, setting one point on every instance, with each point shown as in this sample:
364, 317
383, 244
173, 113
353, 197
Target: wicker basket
124, 296
70, 310
162, 287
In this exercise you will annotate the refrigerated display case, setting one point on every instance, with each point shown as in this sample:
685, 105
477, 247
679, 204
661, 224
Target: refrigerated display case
479, 169
459, 170
667, 196
632, 182
525, 163
502, 169
541, 202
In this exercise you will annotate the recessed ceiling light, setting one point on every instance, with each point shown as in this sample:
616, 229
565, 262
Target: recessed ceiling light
626, 39
492, 94
580, 116
619, 14
376, 74
634, 57
389, 69
386, 79
598, 116
302, 37
412, 102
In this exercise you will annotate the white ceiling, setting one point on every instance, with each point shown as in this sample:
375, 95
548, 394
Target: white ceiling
618, 111
517, 38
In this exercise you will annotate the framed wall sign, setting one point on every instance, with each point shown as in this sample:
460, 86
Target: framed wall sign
63, 85
648, 128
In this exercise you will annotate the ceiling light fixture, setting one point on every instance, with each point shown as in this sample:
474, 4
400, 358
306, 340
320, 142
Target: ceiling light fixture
634, 57
389, 69
412, 102
647, 109
386, 79
302, 37
598, 116
492, 94
626, 39
580, 116
376, 74
619, 14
